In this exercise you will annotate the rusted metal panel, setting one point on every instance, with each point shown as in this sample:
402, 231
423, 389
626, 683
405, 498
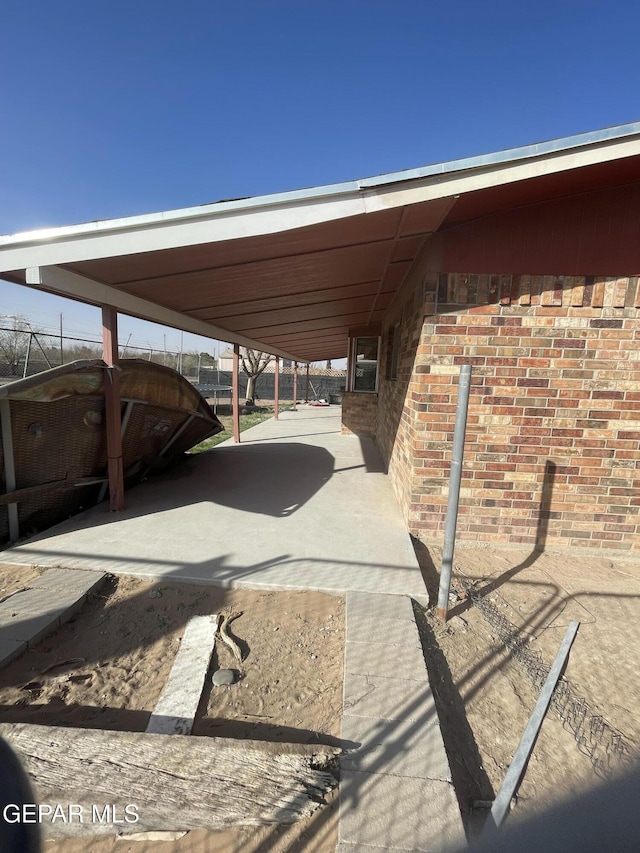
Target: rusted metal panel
58, 426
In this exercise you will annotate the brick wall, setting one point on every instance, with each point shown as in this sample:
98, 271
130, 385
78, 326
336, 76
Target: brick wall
359, 413
553, 436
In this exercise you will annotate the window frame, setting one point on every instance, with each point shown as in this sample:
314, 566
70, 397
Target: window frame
353, 348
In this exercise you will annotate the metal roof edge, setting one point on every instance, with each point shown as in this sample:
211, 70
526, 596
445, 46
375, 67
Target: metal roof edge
185, 213
314, 194
508, 155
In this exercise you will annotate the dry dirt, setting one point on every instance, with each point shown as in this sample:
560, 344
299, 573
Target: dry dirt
119, 650
128, 636
486, 696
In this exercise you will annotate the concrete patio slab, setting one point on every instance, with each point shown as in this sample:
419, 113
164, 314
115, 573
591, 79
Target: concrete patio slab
403, 748
418, 814
33, 612
296, 505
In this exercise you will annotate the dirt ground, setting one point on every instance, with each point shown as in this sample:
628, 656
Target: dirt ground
127, 636
485, 694
106, 668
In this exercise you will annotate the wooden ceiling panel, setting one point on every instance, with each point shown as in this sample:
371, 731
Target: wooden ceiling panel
425, 217
290, 300
235, 285
369, 228
271, 332
394, 276
333, 308
407, 248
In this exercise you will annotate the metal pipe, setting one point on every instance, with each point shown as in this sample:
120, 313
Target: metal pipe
454, 490
306, 391
517, 767
277, 389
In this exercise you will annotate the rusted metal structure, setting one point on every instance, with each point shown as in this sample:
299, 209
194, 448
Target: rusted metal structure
56, 458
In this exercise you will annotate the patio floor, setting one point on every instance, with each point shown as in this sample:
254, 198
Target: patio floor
296, 505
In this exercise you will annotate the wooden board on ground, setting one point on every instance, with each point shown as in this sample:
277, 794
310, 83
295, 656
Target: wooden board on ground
176, 708
139, 782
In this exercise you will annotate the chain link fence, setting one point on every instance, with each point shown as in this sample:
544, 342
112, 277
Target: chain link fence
607, 748
25, 352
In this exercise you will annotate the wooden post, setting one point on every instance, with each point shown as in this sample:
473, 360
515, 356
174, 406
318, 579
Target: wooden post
295, 383
306, 392
276, 380
236, 391
112, 406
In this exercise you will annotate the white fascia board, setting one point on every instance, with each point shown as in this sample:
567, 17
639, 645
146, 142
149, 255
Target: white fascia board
458, 183
70, 284
196, 226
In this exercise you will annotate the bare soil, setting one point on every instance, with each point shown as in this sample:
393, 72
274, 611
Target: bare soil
106, 668
485, 694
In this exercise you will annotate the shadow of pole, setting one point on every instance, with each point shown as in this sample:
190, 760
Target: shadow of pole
544, 513
542, 529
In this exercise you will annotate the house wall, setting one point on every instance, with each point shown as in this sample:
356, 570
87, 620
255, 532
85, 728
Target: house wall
359, 413
553, 435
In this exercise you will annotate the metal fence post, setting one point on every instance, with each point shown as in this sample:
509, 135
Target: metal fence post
26, 358
454, 489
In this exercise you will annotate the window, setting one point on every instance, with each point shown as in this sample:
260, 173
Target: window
393, 350
364, 364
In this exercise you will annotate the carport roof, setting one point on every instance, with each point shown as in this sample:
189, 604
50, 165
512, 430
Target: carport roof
291, 273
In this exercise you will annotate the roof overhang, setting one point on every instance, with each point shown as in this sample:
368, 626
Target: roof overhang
291, 273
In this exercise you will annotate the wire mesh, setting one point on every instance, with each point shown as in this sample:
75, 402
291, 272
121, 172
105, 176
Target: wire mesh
24, 352
607, 747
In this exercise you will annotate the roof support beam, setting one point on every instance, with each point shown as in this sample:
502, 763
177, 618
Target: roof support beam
236, 393
277, 389
113, 405
295, 385
74, 286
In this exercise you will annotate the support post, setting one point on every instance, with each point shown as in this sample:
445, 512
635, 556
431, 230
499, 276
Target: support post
454, 490
276, 380
113, 406
295, 384
26, 358
236, 391
306, 390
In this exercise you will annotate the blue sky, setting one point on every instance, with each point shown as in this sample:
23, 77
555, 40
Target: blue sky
117, 109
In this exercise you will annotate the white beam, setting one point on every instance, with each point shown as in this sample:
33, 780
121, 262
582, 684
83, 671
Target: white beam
65, 283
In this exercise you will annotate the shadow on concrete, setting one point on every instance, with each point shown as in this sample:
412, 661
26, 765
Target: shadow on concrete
270, 479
